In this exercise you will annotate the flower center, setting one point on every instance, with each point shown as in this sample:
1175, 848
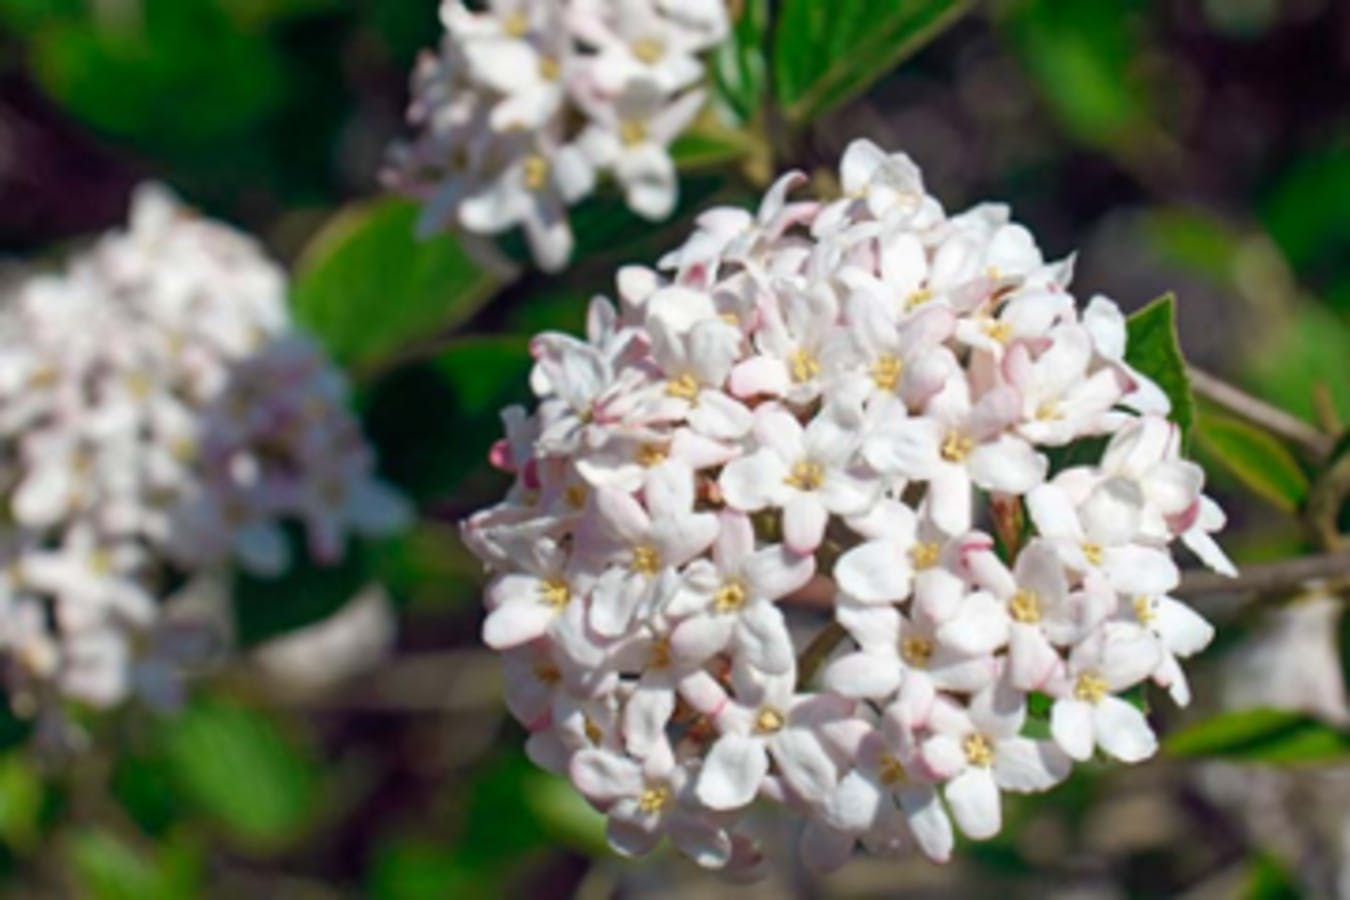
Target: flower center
729, 598
654, 799
918, 298
806, 475
1025, 607
593, 732
549, 70
979, 750
547, 673
646, 560
100, 562
649, 455
1090, 687
648, 50
1049, 411
803, 365
555, 593
892, 771
685, 387
659, 655
535, 172
998, 331
769, 721
924, 555
515, 24
956, 446
886, 371
1144, 610
575, 495
632, 132
1092, 553
916, 651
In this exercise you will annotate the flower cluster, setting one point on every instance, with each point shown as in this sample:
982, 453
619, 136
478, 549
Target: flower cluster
159, 421
527, 101
854, 404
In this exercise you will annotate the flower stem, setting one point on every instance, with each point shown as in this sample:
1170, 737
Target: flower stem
821, 646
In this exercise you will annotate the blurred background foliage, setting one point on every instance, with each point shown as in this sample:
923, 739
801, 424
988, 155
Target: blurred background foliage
1194, 146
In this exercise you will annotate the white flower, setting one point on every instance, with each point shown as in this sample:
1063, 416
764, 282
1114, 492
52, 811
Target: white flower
1086, 713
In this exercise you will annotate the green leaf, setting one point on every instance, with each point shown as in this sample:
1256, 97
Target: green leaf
1261, 735
1256, 458
708, 145
21, 799
243, 774
370, 289
827, 53
108, 868
738, 66
306, 593
1154, 349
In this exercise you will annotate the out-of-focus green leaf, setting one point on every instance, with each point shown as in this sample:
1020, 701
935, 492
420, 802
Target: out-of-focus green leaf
1308, 214
1268, 880
142, 784
1256, 458
827, 53
242, 772
564, 814
429, 569
1261, 735
1307, 351
738, 65
1153, 349
108, 868
21, 798
433, 423
1196, 240
1082, 57
710, 145
161, 72
305, 594
370, 289
256, 15
411, 869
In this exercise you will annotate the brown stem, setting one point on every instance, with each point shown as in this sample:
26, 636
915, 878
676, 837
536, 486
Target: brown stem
1284, 575
816, 652
1261, 413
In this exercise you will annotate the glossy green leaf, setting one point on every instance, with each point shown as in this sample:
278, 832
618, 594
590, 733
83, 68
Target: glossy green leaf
242, 773
1261, 735
107, 867
1154, 349
1255, 458
708, 145
739, 67
371, 290
305, 594
824, 54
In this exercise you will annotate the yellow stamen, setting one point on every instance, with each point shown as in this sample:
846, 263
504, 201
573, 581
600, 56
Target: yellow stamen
918, 298
803, 365
916, 651
659, 655
999, 331
593, 732
806, 475
1025, 607
549, 70
515, 24
1049, 411
654, 799
547, 672
892, 771
769, 721
729, 598
554, 593
649, 455
646, 560
979, 750
1092, 553
648, 50
684, 387
1089, 687
886, 372
575, 495
956, 446
924, 555
534, 171
1144, 610
632, 132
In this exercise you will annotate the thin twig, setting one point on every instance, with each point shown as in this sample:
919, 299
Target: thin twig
1261, 413
816, 652
1284, 575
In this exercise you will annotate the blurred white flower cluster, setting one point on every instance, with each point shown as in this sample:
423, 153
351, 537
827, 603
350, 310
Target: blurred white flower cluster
159, 422
867, 389
529, 100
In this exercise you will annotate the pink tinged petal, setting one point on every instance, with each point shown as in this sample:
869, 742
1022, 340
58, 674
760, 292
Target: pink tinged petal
1135, 569
645, 717
862, 676
1053, 513
763, 638
999, 710
979, 628
682, 538
776, 572
604, 776
928, 822
669, 490
1122, 731
732, 772
778, 430
949, 499
875, 572
1209, 552
1129, 655
516, 623
875, 628
700, 638
719, 416
804, 521
943, 756
854, 804
759, 376
974, 802
735, 540
908, 449
1033, 662
848, 492
1071, 727
614, 602
704, 843
1111, 514
754, 482
1007, 464
1183, 630
1024, 766
622, 515
804, 764
938, 593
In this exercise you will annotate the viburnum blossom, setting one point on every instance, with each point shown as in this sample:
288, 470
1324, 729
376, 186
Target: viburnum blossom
529, 101
160, 422
871, 407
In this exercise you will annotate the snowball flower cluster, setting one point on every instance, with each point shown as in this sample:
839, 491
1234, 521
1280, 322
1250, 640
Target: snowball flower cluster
529, 100
159, 422
865, 404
